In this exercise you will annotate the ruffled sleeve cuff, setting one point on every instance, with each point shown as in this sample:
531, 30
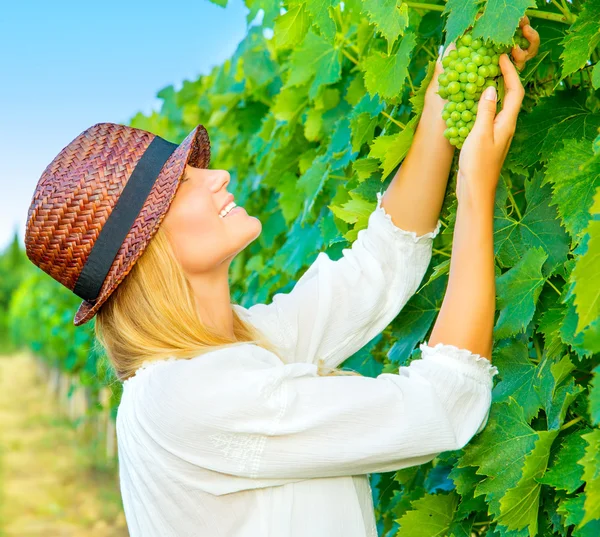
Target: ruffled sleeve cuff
385, 220
470, 364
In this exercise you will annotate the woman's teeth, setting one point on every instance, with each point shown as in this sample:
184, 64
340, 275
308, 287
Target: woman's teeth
227, 208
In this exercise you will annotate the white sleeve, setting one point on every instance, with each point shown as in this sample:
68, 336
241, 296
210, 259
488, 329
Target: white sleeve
271, 423
337, 307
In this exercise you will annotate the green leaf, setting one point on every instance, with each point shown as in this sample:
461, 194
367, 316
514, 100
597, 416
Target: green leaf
391, 149
519, 506
519, 375
311, 183
594, 400
501, 19
461, 15
587, 271
582, 38
564, 473
315, 58
574, 173
389, 16
222, 3
319, 11
556, 390
518, 291
596, 76
385, 75
507, 437
591, 476
291, 27
557, 118
415, 320
428, 516
572, 510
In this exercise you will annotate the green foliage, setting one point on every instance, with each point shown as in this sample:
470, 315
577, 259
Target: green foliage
311, 123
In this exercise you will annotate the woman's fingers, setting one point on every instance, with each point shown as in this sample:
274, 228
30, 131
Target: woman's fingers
522, 56
506, 120
534, 40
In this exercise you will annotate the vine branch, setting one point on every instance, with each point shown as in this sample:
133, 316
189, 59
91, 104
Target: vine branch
533, 13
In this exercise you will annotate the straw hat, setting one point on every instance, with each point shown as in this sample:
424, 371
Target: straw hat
100, 201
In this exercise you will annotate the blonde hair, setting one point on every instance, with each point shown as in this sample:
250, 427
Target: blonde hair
152, 315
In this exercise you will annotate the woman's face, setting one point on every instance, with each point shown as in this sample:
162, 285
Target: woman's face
203, 240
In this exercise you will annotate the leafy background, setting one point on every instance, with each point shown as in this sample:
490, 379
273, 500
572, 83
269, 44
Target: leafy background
312, 115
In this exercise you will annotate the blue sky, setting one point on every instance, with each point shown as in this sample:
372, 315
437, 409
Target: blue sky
66, 65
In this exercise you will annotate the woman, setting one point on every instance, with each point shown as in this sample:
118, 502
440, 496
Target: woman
229, 423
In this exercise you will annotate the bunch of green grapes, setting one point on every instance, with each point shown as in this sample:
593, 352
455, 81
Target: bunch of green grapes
468, 71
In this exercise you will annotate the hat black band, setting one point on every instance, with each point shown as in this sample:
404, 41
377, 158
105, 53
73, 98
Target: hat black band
121, 218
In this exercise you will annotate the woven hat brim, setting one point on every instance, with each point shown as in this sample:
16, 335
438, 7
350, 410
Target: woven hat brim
195, 150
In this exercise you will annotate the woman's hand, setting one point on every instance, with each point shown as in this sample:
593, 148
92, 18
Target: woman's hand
520, 56
486, 146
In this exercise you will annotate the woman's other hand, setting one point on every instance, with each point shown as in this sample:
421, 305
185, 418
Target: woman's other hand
521, 56
483, 153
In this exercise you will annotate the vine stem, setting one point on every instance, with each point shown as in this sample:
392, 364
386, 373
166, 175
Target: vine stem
514, 203
572, 422
399, 123
441, 252
553, 287
349, 56
534, 13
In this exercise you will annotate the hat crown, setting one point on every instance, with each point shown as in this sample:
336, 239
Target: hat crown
76, 194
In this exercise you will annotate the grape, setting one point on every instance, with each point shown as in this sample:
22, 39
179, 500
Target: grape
468, 71
453, 88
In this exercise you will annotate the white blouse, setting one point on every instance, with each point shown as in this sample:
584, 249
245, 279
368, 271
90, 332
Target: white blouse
236, 443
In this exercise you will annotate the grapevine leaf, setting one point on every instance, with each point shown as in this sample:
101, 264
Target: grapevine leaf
389, 16
518, 290
519, 506
539, 226
385, 75
557, 118
222, 3
591, 476
311, 183
300, 248
568, 333
581, 38
594, 401
418, 99
518, 377
319, 11
430, 515
391, 149
574, 172
555, 390
314, 58
501, 19
363, 130
564, 473
270, 9
587, 270
507, 437
550, 322
291, 27
596, 76
415, 320
573, 511
461, 15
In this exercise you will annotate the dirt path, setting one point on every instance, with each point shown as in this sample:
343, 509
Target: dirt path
47, 485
